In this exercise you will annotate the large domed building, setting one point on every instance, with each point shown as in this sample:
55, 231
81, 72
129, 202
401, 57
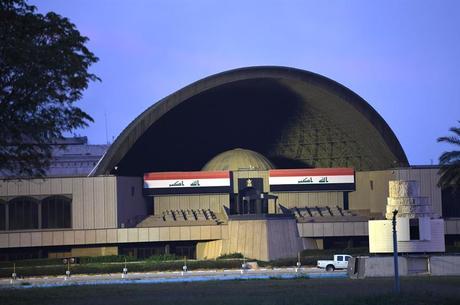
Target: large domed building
265, 161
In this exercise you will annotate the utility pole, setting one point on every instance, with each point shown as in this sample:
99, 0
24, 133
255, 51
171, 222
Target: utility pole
395, 253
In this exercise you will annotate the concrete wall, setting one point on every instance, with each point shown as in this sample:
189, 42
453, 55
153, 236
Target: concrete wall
309, 199
372, 188
312, 243
257, 239
445, 265
266, 239
371, 191
110, 236
209, 249
248, 237
132, 206
94, 202
381, 237
383, 266
214, 202
283, 238
324, 229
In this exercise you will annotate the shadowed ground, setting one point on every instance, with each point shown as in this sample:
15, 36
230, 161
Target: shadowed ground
421, 290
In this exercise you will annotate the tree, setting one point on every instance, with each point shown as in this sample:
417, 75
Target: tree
43, 71
450, 162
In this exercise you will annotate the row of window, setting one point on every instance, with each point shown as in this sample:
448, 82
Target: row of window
67, 164
24, 213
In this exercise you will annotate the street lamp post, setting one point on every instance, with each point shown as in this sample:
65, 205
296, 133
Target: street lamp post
395, 253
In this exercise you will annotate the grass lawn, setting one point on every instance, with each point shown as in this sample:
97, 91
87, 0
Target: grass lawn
421, 290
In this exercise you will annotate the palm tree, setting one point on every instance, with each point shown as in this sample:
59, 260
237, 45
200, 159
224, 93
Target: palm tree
450, 162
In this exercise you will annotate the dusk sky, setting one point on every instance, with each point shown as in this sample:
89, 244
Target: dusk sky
402, 57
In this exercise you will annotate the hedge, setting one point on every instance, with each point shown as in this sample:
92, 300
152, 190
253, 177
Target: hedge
142, 266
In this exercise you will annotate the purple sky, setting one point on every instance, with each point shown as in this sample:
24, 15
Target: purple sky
402, 57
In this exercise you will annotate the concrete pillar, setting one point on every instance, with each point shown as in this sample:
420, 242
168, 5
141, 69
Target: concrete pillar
320, 243
39, 214
7, 217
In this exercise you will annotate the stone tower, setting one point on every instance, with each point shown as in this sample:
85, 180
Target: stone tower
419, 230
404, 196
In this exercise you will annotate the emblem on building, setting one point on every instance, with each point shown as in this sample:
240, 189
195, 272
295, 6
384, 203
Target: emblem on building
249, 183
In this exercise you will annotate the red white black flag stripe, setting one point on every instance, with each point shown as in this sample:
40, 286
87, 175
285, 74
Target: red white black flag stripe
187, 182
312, 179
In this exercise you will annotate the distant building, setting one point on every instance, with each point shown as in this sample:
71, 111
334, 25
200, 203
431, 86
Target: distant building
76, 158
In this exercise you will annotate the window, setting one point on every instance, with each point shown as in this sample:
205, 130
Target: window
340, 258
2, 215
450, 200
414, 230
23, 213
56, 212
347, 258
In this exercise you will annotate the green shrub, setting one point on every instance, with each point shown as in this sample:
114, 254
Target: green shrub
164, 257
330, 252
215, 264
310, 257
452, 249
231, 255
32, 262
106, 259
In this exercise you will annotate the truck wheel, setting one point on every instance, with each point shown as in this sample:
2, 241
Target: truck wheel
330, 268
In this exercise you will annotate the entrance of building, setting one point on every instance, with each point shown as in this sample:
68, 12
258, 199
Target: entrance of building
250, 198
252, 201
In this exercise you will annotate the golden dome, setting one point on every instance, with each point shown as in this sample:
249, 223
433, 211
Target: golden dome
238, 159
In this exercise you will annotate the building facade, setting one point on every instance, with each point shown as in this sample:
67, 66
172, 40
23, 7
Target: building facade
265, 161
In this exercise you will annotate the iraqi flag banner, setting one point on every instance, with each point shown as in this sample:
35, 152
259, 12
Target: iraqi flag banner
314, 179
186, 182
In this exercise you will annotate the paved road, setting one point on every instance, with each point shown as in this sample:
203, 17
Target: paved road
163, 277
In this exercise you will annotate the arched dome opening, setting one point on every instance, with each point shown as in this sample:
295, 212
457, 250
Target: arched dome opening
296, 118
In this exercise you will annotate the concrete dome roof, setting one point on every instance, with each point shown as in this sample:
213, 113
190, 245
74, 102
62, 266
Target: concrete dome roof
237, 159
296, 118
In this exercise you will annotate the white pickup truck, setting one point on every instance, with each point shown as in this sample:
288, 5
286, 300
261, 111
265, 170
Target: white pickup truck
340, 262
